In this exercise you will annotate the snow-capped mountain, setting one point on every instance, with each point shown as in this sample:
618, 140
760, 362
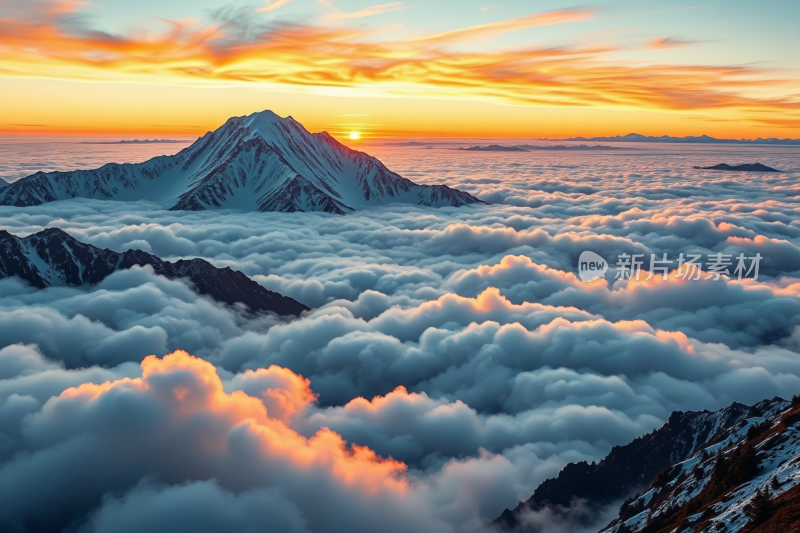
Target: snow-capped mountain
3, 184
746, 477
53, 258
701, 471
259, 162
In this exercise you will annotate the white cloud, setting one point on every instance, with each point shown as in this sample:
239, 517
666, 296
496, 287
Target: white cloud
510, 366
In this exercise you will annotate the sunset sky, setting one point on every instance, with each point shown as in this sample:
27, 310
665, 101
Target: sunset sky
505, 68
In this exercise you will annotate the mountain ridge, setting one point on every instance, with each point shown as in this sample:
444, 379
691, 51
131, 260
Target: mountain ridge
142, 141
752, 167
492, 148
536, 148
259, 162
649, 461
698, 139
52, 257
746, 479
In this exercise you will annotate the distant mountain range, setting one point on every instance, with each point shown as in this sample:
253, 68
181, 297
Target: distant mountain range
752, 167
536, 147
143, 141
259, 162
54, 258
492, 148
3, 184
568, 148
701, 471
702, 139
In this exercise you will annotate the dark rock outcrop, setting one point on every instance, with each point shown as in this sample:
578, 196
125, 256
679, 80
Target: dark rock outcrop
52, 257
754, 167
627, 468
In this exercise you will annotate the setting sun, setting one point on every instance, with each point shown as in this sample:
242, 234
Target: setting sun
354, 136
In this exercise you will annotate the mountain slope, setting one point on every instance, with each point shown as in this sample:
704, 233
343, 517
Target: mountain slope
53, 258
747, 478
259, 162
3, 184
641, 463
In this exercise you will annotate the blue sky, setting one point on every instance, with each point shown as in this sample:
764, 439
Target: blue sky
597, 67
734, 31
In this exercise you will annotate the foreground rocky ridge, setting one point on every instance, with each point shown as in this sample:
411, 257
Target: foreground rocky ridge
54, 258
260, 162
701, 471
743, 479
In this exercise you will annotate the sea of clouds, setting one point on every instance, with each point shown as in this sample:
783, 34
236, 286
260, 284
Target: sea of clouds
452, 361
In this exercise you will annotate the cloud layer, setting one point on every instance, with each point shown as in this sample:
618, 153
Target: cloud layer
453, 360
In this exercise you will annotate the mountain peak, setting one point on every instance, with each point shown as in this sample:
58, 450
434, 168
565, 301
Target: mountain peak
50, 232
630, 467
671, 468
266, 116
712, 487
258, 162
266, 120
52, 257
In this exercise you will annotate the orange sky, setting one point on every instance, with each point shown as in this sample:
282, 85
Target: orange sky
58, 76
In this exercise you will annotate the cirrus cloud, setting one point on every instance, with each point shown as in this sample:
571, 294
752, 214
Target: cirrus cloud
237, 48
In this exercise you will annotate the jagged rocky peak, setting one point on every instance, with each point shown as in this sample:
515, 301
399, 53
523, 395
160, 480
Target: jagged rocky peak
701, 471
745, 478
259, 162
52, 257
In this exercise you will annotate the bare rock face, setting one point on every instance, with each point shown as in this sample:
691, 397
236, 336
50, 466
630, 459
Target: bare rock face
729, 470
53, 258
259, 162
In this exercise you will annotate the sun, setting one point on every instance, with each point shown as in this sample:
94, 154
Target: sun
354, 136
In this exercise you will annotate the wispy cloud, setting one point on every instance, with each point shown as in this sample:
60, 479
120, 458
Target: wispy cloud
241, 49
379, 9
671, 42
530, 21
272, 5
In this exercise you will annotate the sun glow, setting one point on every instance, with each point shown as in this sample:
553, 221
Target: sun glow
422, 84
